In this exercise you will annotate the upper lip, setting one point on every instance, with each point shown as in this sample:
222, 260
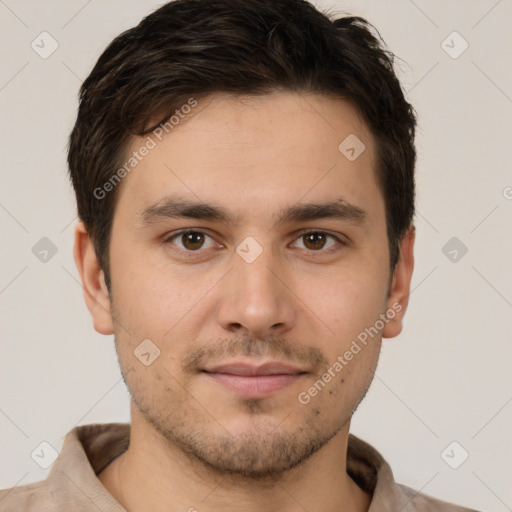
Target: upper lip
241, 368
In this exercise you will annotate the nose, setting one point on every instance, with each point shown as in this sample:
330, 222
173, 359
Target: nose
256, 298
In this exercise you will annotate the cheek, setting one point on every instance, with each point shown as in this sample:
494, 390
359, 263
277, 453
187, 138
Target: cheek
144, 294
164, 304
346, 303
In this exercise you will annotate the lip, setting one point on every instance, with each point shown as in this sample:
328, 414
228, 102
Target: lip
254, 370
254, 381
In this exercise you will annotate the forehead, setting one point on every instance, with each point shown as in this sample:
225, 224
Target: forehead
253, 152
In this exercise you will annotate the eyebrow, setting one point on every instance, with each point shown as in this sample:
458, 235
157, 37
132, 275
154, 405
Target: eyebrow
171, 207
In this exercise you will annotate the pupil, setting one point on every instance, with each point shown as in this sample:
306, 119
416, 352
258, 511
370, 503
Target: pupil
316, 239
193, 240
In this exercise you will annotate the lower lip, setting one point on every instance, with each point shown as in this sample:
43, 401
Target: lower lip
254, 386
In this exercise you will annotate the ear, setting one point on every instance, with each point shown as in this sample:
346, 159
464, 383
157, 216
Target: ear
93, 281
400, 286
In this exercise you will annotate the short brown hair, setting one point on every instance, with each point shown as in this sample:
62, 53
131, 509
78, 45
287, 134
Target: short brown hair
198, 47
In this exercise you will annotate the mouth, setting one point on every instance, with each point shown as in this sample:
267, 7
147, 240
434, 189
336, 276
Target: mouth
254, 381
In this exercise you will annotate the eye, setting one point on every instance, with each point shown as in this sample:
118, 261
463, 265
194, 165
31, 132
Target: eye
191, 240
318, 240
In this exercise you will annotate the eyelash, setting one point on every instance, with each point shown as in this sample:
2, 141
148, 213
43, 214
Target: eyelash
302, 233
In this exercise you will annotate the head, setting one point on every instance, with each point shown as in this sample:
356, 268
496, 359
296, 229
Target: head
282, 140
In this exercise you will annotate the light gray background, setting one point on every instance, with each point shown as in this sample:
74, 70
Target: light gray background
446, 378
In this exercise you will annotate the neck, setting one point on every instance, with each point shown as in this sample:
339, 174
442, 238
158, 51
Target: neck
153, 475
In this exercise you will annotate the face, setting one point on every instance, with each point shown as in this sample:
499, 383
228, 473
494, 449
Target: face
249, 340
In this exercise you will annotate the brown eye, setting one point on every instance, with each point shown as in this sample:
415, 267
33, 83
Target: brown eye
318, 240
314, 241
191, 241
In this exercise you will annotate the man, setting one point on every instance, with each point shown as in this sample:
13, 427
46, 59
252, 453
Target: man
244, 173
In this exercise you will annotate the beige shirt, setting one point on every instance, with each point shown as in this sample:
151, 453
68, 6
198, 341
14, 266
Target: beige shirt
72, 484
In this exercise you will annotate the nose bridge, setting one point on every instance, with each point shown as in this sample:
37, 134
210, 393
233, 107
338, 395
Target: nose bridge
256, 298
257, 275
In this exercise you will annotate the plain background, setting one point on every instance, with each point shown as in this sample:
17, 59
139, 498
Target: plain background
445, 378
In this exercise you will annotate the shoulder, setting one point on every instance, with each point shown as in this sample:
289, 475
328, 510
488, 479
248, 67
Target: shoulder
423, 503
29, 498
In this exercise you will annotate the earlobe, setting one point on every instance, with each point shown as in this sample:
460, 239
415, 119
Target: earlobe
400, 287
93, 281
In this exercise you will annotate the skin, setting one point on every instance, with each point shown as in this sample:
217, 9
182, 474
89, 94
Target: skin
195, 443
